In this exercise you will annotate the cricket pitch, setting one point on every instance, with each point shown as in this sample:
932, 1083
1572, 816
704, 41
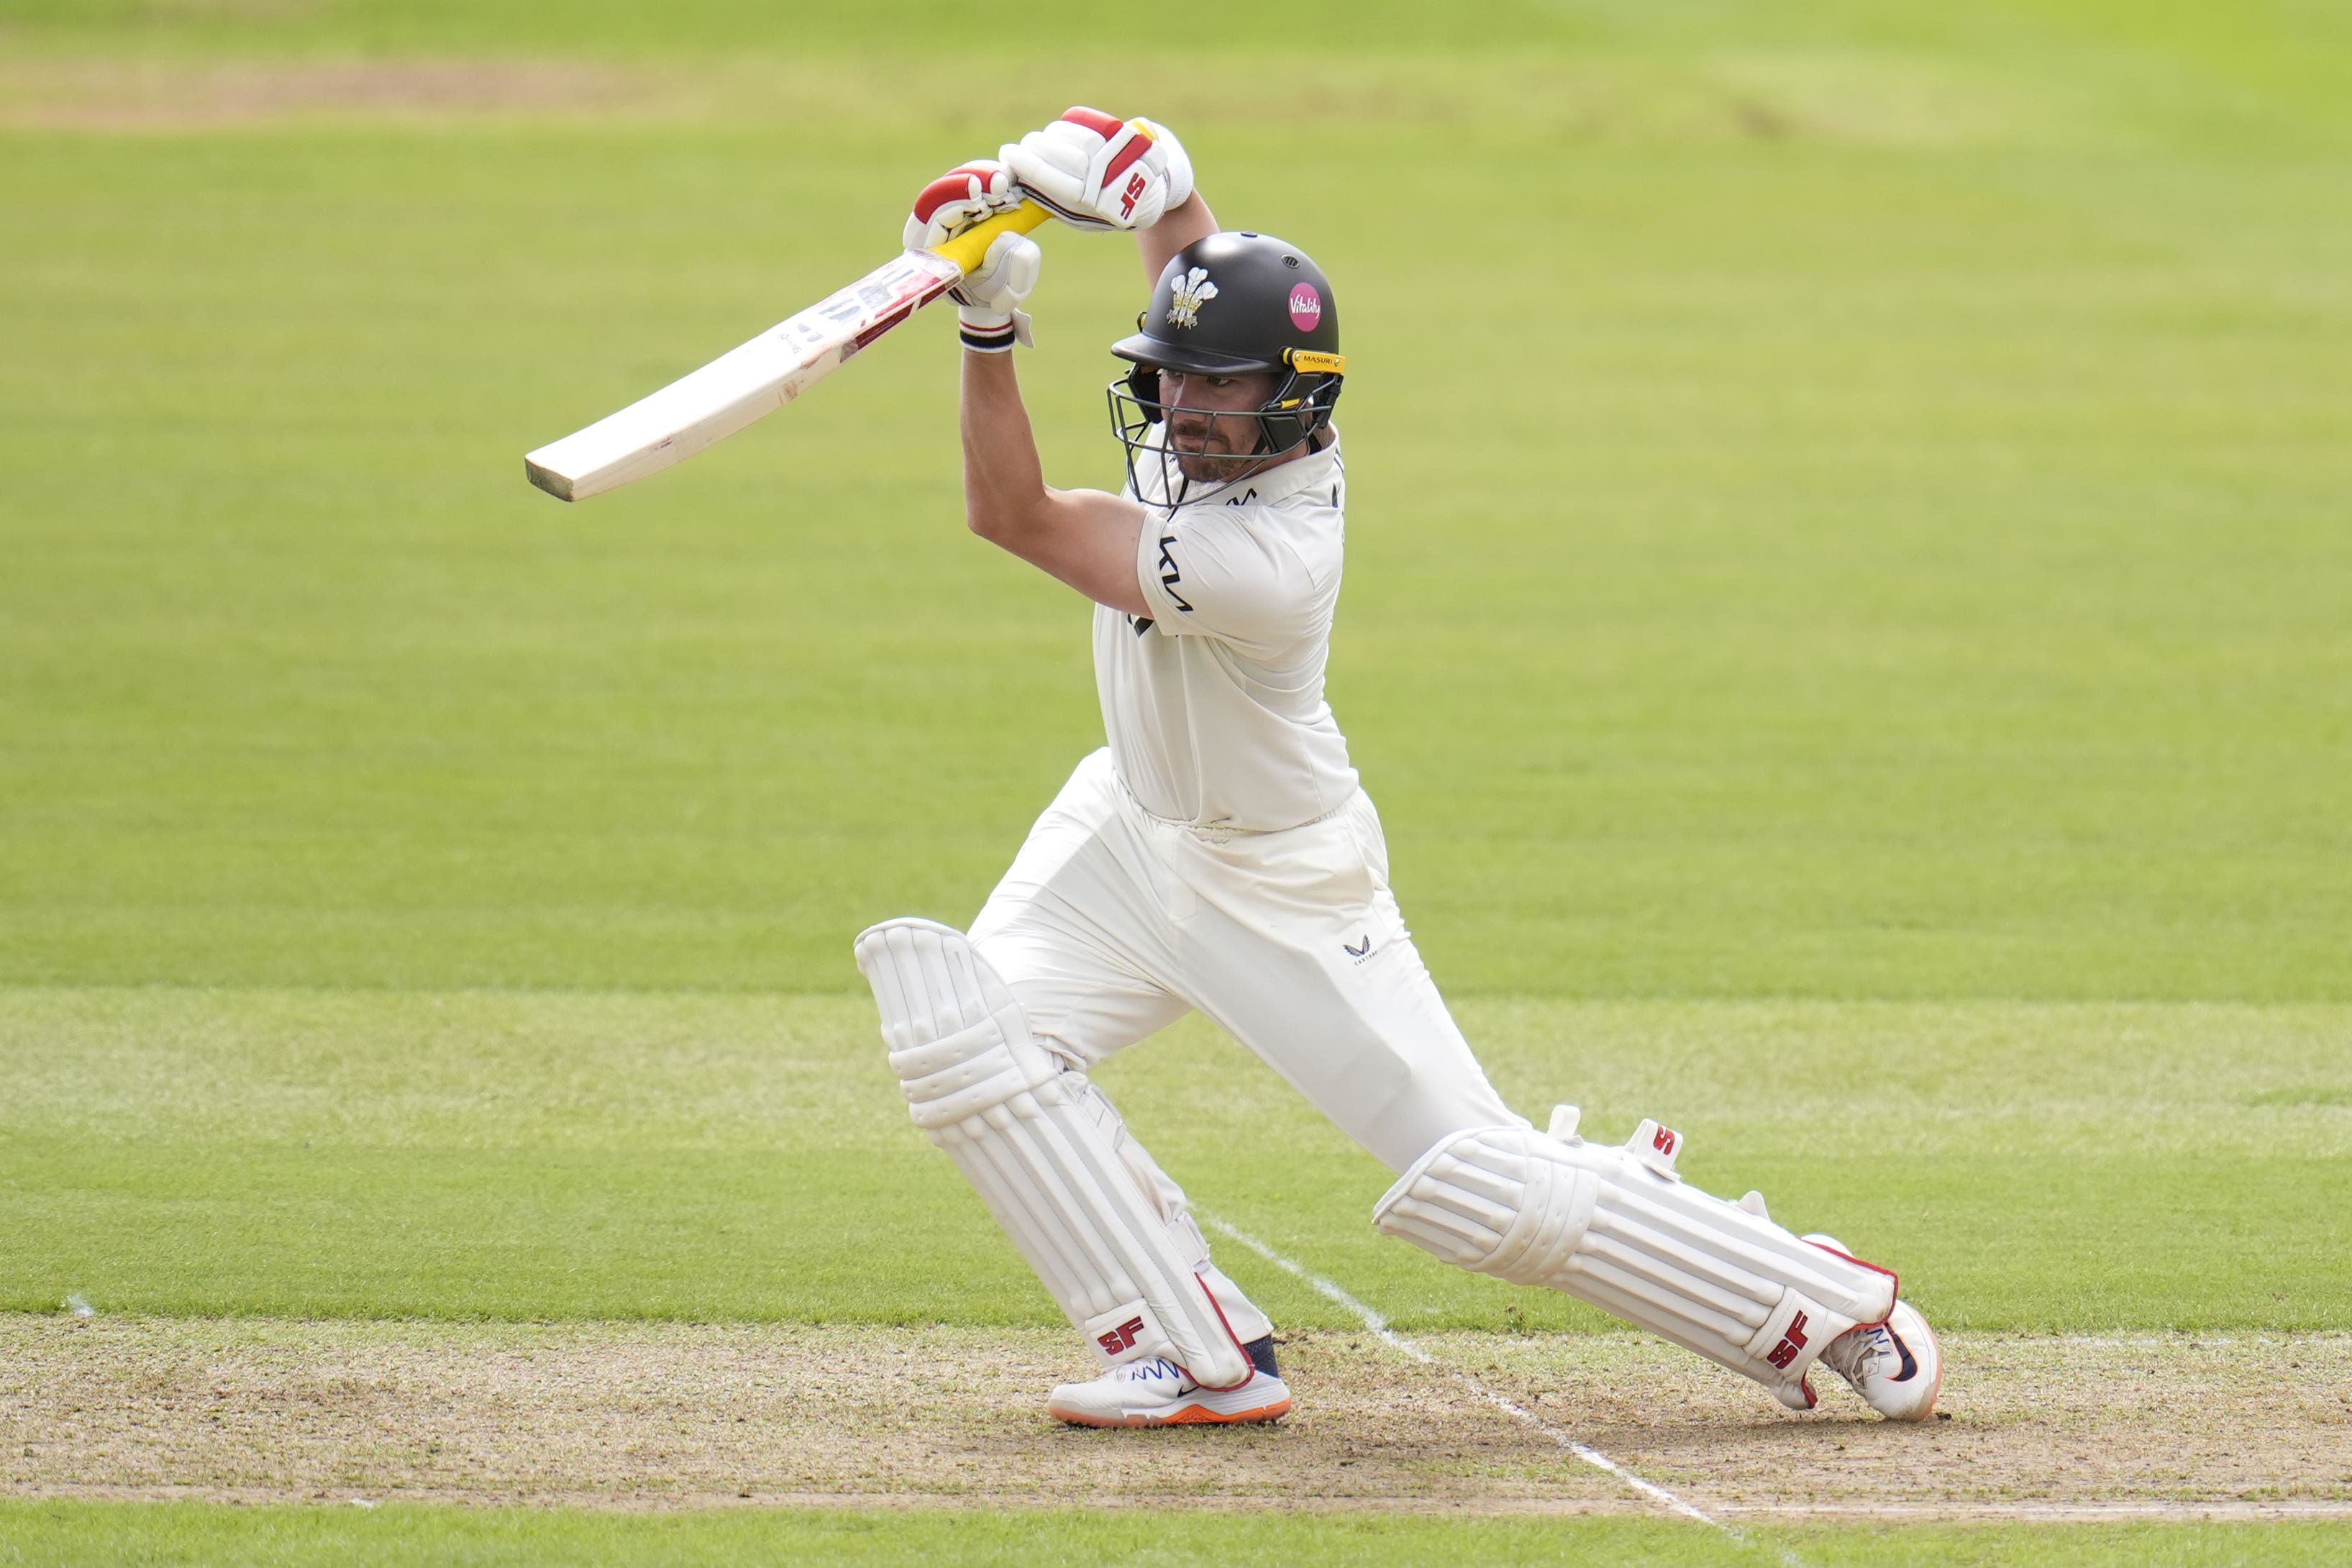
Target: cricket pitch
667, 1416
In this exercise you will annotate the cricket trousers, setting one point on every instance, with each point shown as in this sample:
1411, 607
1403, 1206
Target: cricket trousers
1112, 925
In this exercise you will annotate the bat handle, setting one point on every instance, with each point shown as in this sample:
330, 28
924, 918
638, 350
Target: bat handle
969, 249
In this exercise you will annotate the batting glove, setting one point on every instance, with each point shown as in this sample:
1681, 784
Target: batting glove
966, 194
1096, 172
987, 301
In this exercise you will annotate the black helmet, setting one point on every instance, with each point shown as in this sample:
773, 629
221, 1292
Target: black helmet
1231, 304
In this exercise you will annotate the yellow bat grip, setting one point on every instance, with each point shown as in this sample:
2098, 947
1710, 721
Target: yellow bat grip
970, 248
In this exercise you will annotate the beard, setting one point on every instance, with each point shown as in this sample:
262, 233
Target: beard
1204, 454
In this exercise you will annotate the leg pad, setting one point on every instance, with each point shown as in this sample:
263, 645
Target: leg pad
1026, 1134
1622, 1231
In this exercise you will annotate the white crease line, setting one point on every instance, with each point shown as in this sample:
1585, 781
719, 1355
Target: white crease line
1379, 1325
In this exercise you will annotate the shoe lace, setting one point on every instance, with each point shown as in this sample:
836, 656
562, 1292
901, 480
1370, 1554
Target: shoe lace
1852, 1353
1145, 1371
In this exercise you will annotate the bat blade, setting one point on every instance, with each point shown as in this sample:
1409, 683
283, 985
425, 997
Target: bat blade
709, 404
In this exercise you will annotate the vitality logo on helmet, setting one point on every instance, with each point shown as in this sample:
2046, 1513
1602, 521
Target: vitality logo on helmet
1191, 292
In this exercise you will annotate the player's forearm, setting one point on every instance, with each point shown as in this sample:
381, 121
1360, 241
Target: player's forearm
1179, 227
1086, 538
1003, 481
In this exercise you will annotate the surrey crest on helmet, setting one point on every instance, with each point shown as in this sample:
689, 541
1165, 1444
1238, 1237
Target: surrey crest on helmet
1187, 295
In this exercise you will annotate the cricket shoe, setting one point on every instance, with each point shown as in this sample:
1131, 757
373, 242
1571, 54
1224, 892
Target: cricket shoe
1156, 1392
1897, 1366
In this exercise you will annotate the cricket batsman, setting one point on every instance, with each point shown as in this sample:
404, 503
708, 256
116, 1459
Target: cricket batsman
1219, 854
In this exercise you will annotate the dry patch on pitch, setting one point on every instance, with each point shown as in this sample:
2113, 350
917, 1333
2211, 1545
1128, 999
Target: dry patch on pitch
2042, 1425
665, 1415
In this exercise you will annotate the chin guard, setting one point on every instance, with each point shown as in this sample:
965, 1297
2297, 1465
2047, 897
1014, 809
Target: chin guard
1297, 413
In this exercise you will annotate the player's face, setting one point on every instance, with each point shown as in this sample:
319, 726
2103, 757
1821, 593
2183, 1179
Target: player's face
1212, 448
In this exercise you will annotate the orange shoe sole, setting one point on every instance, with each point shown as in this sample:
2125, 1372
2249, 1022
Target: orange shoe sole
1191, 1416
1197, 1414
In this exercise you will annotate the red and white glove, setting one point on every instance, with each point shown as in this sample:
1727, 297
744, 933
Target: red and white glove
987, 301
1093, 170
966, 194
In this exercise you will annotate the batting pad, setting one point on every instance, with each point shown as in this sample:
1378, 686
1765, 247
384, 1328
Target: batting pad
1619, 1228
1013, 1120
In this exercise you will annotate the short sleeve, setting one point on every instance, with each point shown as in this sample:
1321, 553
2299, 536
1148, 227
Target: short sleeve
1212, 574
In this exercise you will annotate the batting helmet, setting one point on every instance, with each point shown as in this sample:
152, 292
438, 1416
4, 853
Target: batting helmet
1231, 304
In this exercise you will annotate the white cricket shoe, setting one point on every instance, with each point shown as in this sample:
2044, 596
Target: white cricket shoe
1897, 1366
1158, 1392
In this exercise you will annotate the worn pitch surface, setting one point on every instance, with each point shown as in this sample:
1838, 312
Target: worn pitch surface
638, 1416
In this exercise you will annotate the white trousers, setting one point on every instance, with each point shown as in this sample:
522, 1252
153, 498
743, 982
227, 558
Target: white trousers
1113, 924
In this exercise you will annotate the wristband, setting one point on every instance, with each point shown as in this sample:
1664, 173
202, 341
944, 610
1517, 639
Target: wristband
993, 331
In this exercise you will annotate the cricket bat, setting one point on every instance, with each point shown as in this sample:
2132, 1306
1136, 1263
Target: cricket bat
704, 407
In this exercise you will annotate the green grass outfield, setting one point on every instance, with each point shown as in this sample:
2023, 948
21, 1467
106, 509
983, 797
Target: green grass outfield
168, 1535
2074, 1167
1858, 516
1846, 623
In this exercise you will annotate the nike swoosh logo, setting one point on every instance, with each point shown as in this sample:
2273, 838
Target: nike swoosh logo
1910, 1362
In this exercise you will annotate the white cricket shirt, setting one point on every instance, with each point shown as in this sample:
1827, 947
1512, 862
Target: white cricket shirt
1214, 704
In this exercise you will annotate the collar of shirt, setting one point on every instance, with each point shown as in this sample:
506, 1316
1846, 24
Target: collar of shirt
1316, 470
